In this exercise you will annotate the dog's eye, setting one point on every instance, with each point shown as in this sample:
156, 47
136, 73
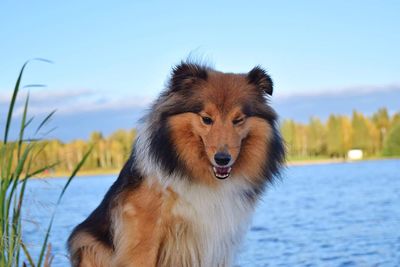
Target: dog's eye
207, 120
238, 121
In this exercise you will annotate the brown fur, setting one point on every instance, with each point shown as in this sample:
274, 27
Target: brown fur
86, 251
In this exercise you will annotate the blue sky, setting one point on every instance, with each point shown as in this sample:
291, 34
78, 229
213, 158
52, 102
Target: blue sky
113, 54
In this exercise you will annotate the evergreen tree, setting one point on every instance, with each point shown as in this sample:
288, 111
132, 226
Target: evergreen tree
360, 137
288, 130
334, 136
381, 120
316, 136
392, 143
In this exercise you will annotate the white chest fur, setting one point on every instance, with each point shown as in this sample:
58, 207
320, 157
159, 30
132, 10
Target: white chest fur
216, 221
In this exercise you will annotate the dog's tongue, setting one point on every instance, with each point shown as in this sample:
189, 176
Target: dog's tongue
223, 170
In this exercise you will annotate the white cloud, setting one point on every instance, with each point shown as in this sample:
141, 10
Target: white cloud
44, 95
74, 101
353, 90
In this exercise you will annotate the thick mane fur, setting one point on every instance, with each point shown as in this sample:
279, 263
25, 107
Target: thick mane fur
179, 97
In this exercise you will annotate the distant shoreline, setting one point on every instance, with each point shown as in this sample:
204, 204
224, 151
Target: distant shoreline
314, 161
289, 163
332, 161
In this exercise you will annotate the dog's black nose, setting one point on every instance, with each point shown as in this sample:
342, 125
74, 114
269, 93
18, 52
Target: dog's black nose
222, 159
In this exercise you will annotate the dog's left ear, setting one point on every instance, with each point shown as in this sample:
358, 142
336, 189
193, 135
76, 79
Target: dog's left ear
261, 79
185, 75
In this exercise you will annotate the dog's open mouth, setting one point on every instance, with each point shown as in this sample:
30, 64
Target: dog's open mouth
222, 172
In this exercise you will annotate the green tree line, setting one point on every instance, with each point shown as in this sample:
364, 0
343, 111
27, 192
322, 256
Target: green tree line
378, 135
108, 153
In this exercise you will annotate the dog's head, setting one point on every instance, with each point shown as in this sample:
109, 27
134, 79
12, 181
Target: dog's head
210, 125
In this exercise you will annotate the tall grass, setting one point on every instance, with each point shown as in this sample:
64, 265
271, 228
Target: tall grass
16, 159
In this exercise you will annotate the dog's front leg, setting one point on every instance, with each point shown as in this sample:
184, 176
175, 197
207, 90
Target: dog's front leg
137, 230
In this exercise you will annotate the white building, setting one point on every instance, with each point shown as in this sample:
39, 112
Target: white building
354, 154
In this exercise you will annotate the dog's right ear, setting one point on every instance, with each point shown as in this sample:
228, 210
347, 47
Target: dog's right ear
185, 75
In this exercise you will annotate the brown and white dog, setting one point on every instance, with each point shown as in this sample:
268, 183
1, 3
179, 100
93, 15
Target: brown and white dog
205, 152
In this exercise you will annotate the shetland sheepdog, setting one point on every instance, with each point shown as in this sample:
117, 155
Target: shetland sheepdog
206, 150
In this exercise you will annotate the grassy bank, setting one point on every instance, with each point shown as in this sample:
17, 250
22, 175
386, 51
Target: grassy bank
94, 172
323, 160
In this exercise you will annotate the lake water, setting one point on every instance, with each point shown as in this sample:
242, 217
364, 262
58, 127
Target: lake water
345, 214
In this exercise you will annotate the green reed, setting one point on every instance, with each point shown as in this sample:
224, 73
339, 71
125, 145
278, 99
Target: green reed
16, 158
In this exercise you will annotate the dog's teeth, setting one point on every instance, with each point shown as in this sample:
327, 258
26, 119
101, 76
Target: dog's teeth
223, 175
